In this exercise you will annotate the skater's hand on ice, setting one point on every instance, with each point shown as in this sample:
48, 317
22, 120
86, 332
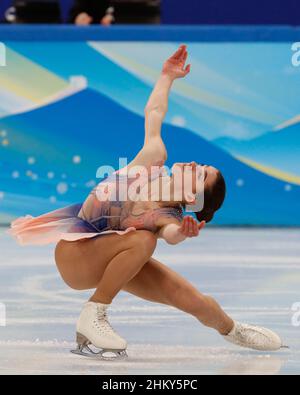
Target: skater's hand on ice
175, 67
190, 227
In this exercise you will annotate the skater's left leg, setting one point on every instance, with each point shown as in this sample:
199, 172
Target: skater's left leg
158, 283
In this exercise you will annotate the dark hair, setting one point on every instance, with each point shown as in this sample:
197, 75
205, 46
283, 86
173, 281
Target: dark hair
213, 199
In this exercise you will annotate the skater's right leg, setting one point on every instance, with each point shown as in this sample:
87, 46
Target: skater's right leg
106, 263
124, 266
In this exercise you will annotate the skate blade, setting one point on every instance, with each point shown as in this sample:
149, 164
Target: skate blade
100, 355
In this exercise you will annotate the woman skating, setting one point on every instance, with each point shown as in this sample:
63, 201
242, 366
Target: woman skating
107, 244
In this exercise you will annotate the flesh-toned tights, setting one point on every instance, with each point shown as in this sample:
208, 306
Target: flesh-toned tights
111, 263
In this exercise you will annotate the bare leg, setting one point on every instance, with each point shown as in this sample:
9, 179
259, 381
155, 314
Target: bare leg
83, 265
158, 283
106, 263
122, 268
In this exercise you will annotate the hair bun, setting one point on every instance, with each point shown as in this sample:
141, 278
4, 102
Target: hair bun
205, 215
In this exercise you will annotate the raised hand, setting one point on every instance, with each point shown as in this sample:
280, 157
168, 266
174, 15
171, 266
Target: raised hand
175, 67
190, 227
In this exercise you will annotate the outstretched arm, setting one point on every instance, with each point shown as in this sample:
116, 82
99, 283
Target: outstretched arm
155, 112
154, 151
157, 106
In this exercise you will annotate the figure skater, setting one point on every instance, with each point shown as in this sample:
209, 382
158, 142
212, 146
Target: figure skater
107, 245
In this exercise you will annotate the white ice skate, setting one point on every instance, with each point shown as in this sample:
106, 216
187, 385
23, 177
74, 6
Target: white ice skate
93, 329
254, 337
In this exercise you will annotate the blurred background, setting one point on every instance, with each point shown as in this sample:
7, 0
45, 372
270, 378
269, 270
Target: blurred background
72, 98
75, 11
151, 11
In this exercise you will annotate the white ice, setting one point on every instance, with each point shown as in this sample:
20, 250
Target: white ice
253, 273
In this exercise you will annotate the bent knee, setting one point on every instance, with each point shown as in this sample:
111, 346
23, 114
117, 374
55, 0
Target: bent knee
143, 240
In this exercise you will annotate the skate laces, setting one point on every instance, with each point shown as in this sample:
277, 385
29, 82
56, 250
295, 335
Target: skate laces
102, 322
250, 334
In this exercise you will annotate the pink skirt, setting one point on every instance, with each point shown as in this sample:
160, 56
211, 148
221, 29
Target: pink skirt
61, 224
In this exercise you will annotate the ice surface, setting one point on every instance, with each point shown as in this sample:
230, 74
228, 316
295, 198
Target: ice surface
253, 273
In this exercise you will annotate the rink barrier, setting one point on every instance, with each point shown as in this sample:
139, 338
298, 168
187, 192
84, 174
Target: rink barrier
150, 33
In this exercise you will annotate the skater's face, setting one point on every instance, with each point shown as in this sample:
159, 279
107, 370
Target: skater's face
195, 178
211, 175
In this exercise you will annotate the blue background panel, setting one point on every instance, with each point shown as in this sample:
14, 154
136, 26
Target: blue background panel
72, 100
